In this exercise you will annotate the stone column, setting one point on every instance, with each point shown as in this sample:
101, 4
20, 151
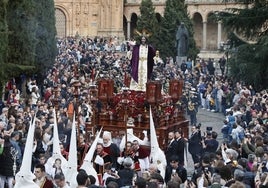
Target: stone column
128, 30
219, 34
204, 35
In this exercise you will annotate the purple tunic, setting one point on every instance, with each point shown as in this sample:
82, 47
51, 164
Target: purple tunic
135, 62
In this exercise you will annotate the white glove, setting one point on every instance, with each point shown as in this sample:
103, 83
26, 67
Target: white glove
99, 160
120, 160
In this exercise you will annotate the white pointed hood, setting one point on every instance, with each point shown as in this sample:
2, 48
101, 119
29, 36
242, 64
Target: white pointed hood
131, 137
56, 153
157, 156
24, 178
71, 170
87, 163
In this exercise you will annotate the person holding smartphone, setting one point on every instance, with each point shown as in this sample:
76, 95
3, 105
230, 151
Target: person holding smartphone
175, 169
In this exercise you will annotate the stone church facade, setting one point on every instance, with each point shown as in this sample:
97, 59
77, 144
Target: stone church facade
118, 18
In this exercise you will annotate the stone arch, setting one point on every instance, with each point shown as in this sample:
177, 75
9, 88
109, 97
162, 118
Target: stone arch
198, 29
133, 23
62, 21
125, 26
212, 32
158, 17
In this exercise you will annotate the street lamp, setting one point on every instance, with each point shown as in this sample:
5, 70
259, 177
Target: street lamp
225, 47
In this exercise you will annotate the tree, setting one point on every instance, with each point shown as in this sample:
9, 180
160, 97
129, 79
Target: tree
46, 49
249, 24
175, 13
27, 42
164, 33
147, 22
3, 40
22, 25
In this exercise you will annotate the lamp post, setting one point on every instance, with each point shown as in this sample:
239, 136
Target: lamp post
225, 47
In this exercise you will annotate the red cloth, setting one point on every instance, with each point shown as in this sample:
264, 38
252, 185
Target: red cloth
142, 153
107, 150
47, 95
47, 184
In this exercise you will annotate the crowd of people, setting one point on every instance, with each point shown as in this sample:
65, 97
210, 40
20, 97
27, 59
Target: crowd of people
240, 160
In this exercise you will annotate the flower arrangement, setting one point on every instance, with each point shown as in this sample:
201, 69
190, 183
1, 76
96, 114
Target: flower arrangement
135, 105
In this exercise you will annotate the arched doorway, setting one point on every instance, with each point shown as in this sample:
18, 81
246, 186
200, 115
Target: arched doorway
198, 29
133, 25
125, 27
158, 17
212, 32
60, 23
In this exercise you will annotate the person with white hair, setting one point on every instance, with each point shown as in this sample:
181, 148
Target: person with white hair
228, 154
110, 148
101, 159
127, 173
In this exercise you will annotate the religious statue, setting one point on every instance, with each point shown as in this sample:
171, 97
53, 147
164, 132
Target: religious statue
142, 62
182, 40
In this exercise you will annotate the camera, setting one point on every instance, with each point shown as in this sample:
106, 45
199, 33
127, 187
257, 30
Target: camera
209, 128
189, 178
206, 170
198, 126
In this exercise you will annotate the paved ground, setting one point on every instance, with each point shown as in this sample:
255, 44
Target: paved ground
207, 119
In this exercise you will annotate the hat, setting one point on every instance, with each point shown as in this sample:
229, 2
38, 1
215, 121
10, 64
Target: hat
24, 178
71, 170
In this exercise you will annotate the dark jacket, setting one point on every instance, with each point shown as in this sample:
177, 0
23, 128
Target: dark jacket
195, 146
181, 171
172, 149
6, 160
113, 152
180, 150
126, 176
